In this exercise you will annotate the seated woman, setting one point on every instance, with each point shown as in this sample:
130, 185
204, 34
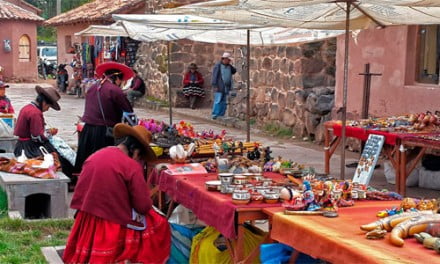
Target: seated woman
193, 85
30, 127
111, 190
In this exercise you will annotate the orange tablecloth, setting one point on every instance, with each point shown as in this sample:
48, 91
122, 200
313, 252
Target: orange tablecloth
340, 240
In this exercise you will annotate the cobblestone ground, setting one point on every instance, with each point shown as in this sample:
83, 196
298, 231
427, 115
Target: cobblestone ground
297, 150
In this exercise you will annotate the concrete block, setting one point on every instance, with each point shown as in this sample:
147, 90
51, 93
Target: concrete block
21, 189
53, 254
429, 179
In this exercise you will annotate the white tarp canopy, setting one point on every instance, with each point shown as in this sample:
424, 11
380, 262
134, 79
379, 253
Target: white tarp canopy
317, 14
114, 30
173, 27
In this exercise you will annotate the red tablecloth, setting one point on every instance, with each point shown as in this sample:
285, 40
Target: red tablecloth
214, 208
340, 240
362, 134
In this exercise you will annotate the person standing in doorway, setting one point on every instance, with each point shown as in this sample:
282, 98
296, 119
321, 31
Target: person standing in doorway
222, 83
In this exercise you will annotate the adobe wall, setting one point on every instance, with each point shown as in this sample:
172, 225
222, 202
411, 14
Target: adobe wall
13, 69
392, 52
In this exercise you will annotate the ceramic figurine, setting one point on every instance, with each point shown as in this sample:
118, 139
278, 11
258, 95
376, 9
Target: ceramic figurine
346, 197
267, 153
327, 201
309, 197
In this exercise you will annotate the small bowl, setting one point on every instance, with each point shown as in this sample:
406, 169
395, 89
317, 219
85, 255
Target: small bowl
240, 179
213, 186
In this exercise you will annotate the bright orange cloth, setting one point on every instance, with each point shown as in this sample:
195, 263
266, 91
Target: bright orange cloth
340, 240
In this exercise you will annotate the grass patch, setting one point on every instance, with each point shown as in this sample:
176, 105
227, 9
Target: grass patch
252, 121
277, 130
157, 100
20, 240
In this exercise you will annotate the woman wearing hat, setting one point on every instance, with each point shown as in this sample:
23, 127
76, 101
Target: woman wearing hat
192, 85
30, 127
5, 103
105, 104
110, 189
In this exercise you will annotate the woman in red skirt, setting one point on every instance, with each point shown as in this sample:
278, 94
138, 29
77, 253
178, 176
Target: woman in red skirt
115, 221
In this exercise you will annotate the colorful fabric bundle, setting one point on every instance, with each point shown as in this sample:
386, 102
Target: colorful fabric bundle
30, 167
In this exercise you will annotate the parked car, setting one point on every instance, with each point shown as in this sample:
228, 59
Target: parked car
47, 53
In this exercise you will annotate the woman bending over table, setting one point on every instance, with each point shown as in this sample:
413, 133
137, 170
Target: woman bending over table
115, 221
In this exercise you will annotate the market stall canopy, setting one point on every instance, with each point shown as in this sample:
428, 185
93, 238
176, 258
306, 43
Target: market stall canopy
317, 14
173, 27
114, 30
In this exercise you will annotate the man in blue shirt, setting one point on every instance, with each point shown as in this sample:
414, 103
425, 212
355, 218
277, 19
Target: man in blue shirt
222, 83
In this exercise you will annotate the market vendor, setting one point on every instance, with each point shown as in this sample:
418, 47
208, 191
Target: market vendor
5, 103
105, 104
30, 127
112, 190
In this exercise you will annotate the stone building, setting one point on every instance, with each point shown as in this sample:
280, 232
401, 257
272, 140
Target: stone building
18, 40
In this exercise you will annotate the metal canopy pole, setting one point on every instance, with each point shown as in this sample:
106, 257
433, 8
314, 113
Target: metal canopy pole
344, 92
248, 89
169, 82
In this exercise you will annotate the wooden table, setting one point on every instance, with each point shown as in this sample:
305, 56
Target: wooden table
401, 149
213, 208
340, 240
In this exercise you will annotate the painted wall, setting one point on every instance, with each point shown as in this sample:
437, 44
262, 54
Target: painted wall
392, 52
62, 32
13, 69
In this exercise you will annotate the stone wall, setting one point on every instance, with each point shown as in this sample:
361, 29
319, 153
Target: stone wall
291, 86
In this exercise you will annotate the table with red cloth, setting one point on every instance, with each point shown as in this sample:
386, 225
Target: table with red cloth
398, 147
213, 208
340, 240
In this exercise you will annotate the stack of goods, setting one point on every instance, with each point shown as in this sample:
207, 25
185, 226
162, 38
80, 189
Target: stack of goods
247, 187
211, 146
411, 218
411, 123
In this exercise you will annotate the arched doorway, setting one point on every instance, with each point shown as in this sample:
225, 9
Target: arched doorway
24, 49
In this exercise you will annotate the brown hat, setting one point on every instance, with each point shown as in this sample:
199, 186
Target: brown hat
3, 85
51, 94
140, 133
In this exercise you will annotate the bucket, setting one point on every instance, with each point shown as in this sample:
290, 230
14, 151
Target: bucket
3, 203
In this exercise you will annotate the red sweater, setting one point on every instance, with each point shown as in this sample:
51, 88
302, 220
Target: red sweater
187, 79
30, 121
110, 185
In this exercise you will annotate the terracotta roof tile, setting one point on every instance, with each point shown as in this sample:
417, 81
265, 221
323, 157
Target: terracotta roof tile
96, 11
9, 11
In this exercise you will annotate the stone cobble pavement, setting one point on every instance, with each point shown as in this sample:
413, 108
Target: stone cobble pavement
299, 151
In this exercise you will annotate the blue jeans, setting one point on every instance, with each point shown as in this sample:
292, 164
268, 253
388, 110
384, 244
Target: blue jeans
219, 105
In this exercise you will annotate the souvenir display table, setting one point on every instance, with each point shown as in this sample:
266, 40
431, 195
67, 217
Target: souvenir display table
340, 240
213, 208
397, 147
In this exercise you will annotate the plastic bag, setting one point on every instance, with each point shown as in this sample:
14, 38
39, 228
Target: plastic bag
185, 217
63, 149
209, 246
5, 129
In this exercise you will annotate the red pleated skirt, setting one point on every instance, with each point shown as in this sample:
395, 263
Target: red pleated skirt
95, 240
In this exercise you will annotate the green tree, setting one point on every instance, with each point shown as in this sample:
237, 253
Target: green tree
49, 9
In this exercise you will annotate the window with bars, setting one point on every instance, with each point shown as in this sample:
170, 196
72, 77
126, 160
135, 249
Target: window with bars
24, 49
428, 54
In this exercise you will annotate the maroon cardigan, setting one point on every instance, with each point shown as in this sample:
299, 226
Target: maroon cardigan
110, 185
187, 79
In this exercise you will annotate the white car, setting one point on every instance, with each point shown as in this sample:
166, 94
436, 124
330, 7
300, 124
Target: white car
48, 54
